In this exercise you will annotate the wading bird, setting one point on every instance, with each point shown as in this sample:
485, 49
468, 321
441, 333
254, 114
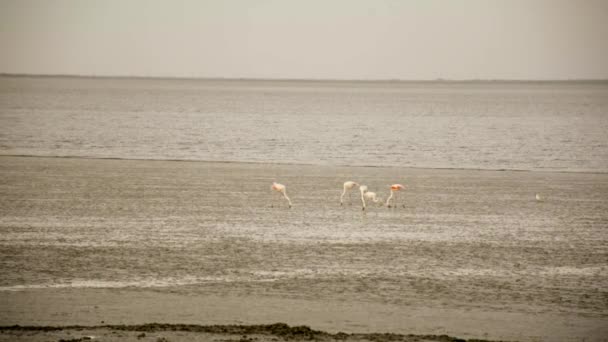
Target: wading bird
347, 187
363, 190
280, 188
372, 196
394, 189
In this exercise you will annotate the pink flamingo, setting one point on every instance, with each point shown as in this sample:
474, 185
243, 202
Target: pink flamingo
394, 189
347, 187
280, 188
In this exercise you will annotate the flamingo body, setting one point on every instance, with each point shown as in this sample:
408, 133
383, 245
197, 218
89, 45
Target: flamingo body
394, 188
347, 186
282, 189
371, 196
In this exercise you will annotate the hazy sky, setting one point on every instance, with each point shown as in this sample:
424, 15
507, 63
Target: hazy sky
338, 39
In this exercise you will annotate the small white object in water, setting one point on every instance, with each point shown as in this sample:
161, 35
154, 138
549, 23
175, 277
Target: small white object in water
538, 198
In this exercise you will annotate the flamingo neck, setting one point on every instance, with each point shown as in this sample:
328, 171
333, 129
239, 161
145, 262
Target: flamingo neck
363, 198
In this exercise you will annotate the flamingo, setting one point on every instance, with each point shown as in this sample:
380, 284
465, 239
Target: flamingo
280, 188
363, 190
372, 196
347, 186
394, 188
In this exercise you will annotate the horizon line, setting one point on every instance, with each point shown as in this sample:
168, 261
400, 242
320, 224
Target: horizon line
293, 163
288, 79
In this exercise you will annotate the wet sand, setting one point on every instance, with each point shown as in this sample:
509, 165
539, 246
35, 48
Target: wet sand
92, 307
472, 254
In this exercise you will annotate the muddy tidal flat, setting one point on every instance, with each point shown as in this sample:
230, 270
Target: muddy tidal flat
189, 332
466, 253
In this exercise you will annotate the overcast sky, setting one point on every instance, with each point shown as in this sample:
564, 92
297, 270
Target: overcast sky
336, 39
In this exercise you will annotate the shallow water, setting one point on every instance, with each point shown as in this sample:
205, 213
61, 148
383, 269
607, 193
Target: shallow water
464, 243
480, 125
465, 239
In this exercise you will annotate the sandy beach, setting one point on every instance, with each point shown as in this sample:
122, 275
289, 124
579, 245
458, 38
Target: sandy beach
469, 253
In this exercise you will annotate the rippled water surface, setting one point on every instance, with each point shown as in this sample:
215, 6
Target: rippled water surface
487, 125
458, 239
468, 241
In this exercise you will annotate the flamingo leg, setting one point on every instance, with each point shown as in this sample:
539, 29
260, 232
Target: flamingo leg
276, 200
273, 201
398, 197
388, 200
362, 201
287, 198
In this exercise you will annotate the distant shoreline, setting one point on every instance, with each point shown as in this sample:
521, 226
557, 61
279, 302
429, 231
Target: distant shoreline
298, 164
320, 80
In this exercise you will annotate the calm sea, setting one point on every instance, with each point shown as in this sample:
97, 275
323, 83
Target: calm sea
557, 126
459, 240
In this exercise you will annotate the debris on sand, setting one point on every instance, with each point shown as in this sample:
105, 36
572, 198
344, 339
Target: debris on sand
243, 333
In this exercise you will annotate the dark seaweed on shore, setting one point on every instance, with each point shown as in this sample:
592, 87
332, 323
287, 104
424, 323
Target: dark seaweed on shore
277, 329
